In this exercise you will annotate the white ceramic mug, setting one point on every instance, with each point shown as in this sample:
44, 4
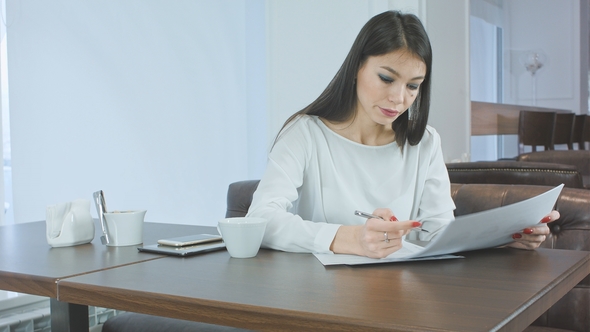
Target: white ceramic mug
125, 228
242, 235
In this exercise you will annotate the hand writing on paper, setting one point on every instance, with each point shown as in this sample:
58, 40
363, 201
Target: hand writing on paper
377, 238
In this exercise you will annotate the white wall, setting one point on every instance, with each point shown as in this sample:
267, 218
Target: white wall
584, 56
307, 42
146, 100
448, 27
554, 27
4, 116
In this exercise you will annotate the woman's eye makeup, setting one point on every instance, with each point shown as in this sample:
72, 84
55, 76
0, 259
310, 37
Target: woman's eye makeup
389, 80
385, 78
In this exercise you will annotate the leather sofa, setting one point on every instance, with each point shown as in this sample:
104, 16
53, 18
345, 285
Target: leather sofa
578, 158
571, 231
516, 172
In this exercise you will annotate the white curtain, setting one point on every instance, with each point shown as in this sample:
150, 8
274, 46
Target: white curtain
158, 103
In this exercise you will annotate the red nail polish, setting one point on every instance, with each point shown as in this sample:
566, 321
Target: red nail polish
528, 231
393, 218
546, 219
416, 224
516, 236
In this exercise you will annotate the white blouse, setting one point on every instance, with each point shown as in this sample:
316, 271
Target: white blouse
315, 180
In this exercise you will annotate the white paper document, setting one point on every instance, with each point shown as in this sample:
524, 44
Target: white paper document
486, 229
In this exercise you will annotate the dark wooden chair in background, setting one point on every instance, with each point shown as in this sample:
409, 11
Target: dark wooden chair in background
585, 132
564, 129
579, 131
536, 129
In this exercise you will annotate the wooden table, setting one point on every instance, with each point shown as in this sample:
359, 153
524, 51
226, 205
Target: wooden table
495, 289
29, 265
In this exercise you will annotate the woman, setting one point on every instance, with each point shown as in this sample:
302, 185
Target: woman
364, 144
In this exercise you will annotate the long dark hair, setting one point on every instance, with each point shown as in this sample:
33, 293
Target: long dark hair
382, 34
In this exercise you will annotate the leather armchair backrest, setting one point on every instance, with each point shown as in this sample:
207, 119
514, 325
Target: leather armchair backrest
578, 158
516, 172
239, 197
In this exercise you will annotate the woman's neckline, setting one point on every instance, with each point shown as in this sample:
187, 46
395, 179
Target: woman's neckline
332, 131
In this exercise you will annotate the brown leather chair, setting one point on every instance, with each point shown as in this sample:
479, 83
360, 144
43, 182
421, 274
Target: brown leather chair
579, 158
515, 172
564, 130
571, 231
536, 129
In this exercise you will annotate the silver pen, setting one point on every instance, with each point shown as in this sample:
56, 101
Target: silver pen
368, 216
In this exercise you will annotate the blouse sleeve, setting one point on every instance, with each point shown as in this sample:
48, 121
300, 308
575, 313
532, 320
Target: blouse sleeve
278, 190
436, 204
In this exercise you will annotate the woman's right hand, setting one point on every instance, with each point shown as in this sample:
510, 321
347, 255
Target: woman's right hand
377, 238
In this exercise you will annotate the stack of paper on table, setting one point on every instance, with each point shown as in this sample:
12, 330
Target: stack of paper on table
486, 229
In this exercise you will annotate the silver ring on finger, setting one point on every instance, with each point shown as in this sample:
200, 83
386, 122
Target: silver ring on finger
386, 238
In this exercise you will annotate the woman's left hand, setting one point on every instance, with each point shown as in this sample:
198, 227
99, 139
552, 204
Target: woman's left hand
532, 237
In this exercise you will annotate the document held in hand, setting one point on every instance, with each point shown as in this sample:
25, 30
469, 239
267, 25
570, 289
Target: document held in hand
486, 229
